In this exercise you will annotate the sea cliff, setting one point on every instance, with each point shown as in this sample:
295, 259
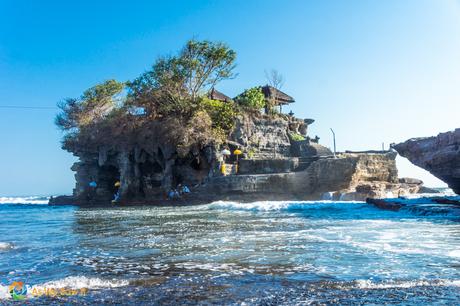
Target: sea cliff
440, 155
273, 166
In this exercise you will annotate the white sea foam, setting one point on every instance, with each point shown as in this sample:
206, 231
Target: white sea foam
275, 205
367, 284
79, 282
24, 200
454, 253
443, 192
5, 246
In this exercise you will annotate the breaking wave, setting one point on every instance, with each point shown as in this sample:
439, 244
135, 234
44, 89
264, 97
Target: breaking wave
5, 246
280, 205
367, 284
24, 200
79, 282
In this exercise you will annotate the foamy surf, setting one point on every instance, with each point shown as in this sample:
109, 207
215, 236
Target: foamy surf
24, 200
277, 205
368, 284
4, 246
79, 282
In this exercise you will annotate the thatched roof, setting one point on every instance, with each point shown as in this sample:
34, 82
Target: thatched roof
280, 97
214, 94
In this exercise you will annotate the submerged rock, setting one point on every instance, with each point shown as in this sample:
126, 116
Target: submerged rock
439, 155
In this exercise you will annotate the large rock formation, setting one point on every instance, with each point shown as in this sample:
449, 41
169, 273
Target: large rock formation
347, 177
275, 165
439, 155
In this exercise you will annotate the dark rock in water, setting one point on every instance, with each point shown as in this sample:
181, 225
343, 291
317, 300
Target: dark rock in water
439, 155
62, 200
396, 204
384, 204
424, 189
442, 200
410, 180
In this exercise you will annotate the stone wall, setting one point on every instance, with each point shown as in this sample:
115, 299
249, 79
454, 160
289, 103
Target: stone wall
305, 148
265, 166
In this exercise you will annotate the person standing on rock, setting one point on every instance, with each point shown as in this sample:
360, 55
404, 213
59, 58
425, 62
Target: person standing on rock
116, 196
91, 194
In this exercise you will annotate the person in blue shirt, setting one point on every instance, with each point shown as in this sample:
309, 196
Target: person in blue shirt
185, 189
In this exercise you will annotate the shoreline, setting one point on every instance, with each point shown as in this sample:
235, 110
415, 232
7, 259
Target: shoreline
382, 203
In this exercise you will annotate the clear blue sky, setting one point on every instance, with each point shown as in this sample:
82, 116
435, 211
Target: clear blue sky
375, 71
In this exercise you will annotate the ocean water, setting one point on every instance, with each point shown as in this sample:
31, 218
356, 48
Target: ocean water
261, 253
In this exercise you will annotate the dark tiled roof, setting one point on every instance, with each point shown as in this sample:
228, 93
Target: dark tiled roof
217, 95
281, 97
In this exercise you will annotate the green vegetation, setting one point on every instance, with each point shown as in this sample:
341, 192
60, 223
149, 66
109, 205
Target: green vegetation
222, 115
296, 137
252, 98
175, 84
94, 104
169, 101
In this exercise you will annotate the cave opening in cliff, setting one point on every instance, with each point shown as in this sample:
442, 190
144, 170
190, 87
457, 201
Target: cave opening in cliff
151, 174
107, 177
196, 164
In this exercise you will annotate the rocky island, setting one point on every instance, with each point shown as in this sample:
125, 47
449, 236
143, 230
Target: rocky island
137, 141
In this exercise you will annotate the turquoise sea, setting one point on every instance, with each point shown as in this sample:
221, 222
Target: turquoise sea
261, 253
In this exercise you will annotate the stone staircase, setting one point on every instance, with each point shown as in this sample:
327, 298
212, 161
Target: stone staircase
230, 169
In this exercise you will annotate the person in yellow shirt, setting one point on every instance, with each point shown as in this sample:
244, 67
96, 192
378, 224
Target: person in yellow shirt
116, 196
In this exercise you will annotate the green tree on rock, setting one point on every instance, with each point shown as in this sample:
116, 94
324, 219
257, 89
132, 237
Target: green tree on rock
94, 104
175, 84
252, 98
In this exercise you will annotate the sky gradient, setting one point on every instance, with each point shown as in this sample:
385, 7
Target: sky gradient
374, 71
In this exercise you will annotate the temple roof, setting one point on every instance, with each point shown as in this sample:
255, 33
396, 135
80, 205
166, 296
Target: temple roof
280, 97
214, 94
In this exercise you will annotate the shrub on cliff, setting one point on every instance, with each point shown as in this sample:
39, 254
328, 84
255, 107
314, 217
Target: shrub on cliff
252, 98
222, 115
296, 136
171, 93
197, 132
93, 105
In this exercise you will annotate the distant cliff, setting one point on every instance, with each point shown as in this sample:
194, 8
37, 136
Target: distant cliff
439, 155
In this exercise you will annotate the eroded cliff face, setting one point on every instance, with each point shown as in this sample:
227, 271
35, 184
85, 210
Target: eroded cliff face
265, 137
347, 177
439, 155
151, 161
360, 176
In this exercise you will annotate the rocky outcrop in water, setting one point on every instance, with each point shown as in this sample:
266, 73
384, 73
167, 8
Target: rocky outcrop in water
273, 166
357, 176
439, 155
